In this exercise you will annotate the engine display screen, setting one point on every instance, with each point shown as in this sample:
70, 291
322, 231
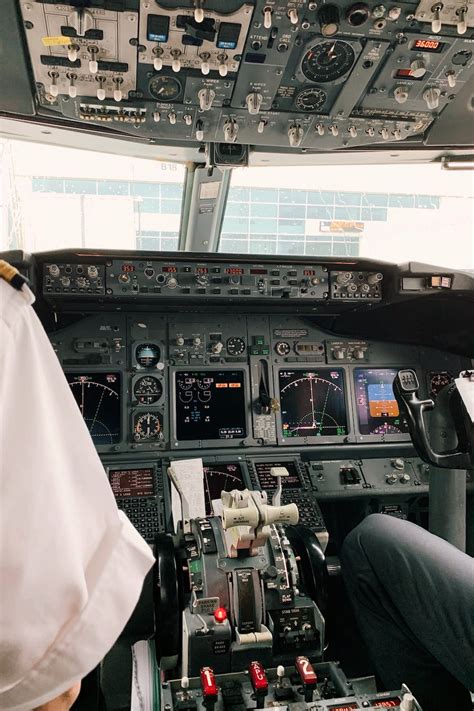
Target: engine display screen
268, 482
377, 409
98, 396
210, 404
126, 483
219, 478
313, 402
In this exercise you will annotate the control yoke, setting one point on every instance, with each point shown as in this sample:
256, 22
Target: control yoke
406, 387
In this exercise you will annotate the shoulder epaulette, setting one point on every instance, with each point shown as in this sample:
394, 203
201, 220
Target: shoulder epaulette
12, 275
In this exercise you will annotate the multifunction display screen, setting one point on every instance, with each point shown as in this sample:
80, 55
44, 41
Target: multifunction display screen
377, 409
210, 404
268, 482
313, 402
219, 478
99, 398
126, 483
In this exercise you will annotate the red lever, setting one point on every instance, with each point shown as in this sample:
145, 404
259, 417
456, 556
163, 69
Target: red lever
307, 675
258, 679
208, 684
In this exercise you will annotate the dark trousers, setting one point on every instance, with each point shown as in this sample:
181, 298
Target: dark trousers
413, 598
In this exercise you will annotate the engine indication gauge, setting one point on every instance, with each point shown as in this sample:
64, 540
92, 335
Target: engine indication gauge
328, 61
147, 426
310, 99
148, 390
438, 380
164, 88
147, 355
235, 346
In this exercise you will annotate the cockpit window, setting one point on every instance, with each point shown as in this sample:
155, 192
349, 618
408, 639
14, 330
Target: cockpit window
397, 212
56, 198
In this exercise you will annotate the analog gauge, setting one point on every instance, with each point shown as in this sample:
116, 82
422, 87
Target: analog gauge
147, 427
328, 61
164, 88
235, 346
386, 429
311, 99
147, 355
438, 380
282, 348
147, 390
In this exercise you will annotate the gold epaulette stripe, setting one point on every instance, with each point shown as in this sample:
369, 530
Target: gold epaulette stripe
11, 275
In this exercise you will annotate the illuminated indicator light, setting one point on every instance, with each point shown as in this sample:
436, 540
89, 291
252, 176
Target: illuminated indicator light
428, 45
345, 707
258, 678
222, 385
208, 683
220, 615
386, 703
234, 385
306, 671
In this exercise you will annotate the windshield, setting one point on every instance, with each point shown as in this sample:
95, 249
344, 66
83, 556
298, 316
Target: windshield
57, 198
390, 212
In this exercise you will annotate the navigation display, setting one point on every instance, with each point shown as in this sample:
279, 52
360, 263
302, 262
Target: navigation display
99, 398
126, 483
377, 409
218, 478
268, 482
313, 402
210, 404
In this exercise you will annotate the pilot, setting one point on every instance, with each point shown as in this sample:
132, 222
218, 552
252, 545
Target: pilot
72, 565
413, 598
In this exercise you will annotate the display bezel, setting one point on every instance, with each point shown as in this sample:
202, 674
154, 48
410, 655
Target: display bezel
121, 443
208, 443
404, 436
314, 440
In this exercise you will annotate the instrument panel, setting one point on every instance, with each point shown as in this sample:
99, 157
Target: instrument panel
302, 74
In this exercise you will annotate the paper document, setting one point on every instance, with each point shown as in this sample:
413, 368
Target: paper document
465, 387
145, 678
189, 474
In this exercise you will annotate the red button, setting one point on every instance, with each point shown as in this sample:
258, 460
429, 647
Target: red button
258, 677
306, 671
220, 615
208, 683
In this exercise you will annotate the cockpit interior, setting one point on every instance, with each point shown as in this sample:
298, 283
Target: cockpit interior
249, 229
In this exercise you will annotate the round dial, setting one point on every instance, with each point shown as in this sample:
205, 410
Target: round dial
148, 390
147, 355
147, 427
164, 88
328, 61
311, 99
282, 348
438, 381
235, 346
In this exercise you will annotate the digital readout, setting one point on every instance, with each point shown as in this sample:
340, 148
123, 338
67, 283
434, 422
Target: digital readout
169, 269
259, 271
391, 703
128, 268
202, 270
127, 483
407, 74
428, 45
309, 272
233, 270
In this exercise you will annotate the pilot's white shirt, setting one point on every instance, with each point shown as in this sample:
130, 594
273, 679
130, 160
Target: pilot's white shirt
72, 565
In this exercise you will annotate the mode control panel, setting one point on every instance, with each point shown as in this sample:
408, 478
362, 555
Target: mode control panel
78, 279
356, 285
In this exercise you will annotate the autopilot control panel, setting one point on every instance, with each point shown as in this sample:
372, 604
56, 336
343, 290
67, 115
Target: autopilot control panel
301, 74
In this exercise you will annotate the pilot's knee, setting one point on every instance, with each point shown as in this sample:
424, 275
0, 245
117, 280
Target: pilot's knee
375, 529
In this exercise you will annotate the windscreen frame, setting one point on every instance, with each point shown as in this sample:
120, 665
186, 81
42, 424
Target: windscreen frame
209, 443
312, 439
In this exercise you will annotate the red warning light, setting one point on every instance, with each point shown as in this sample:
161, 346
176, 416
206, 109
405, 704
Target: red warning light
220, 614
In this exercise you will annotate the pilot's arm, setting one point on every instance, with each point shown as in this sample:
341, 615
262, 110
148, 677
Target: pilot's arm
72, 565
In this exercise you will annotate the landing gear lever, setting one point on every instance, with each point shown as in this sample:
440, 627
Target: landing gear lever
406, 388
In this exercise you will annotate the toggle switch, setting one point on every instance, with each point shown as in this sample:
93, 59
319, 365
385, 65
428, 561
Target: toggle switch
267, 17
158, 59
370, 131
293, 16
353, 131
461, 24
199, 130
320, 129
231, 128
188, 119
156, 116
451, 76
72, 51
209, 687
307, 675
176, 60
259, 681
222, 67
93, 63
72, 88
172, 118
101, 89
117, 90
436, 20
198, 11
205, 66
431, 97
261, 126
334, 129
385, 134
53, 87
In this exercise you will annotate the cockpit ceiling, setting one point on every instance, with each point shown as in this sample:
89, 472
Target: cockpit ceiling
286, 78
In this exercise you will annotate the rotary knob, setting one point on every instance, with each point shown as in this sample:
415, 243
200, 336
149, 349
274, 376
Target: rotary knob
180, 341
398, 464
53, 269
400, 94
418, 68
254, 102
431, 97
391, 478
295, 135
329, 19
92, 272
